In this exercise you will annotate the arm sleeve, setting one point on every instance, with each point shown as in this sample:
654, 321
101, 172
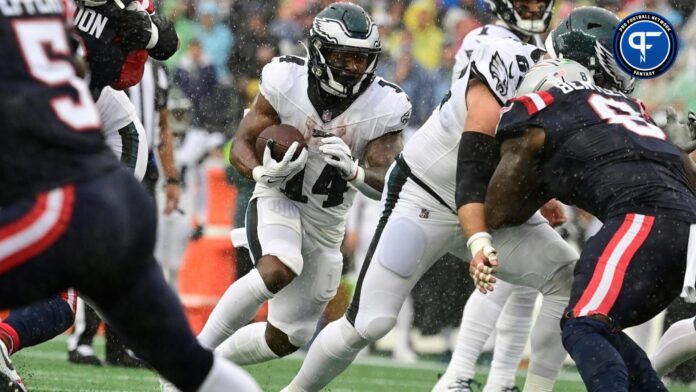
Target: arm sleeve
477, 159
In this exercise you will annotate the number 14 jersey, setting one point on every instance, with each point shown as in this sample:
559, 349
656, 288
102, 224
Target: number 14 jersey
322, 196
602, 152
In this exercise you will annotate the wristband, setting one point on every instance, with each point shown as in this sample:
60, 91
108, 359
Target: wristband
173, 181
479, 241
358, 178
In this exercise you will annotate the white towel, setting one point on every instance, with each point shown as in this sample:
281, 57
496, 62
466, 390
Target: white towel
239, 238
689, 288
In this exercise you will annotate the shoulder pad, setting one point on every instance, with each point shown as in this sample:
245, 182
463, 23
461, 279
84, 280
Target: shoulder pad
523, 111
278, 77
398, 103
500, 63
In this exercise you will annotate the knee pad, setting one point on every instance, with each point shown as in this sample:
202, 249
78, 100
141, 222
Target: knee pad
377, 327
301, 336
402, 246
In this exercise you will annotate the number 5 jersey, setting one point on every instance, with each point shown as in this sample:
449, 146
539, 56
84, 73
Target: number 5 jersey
322, 196
48, 121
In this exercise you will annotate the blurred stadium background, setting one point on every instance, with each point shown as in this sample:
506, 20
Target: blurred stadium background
215, 75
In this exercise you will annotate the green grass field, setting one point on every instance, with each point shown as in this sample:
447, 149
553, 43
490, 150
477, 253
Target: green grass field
45, 368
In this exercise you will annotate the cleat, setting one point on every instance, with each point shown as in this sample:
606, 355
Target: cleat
83, 355
9, 379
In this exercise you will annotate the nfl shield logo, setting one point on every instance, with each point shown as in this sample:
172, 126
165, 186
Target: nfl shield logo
326, 116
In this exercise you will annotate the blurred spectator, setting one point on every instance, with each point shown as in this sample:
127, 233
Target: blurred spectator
442, 77
426, 36
216, 38
661, 7
287, 29
196, 77
417, 83
182, 13
254, 48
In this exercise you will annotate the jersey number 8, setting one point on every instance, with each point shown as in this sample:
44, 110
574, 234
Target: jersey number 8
617, 112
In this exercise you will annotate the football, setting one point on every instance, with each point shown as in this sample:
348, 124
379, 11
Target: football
282, 135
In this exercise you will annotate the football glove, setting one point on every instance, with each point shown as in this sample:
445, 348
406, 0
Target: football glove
272, 173
683, 135
135, 28
337, 154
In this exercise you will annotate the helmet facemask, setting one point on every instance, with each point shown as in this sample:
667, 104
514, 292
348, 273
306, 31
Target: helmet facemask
516, 15
341, 70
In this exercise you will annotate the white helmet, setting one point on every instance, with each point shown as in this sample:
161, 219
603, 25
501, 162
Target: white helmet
549, 73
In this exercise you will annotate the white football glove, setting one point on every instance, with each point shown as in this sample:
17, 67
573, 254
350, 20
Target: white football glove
337, 154
272, 173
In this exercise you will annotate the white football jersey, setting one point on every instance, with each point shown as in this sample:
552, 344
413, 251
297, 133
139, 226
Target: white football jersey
500, 63
322, 196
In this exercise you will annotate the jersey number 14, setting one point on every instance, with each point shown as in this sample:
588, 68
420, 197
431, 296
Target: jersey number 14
329, 183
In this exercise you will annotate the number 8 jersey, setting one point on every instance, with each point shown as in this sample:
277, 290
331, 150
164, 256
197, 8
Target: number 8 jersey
49, 124
322, 196
602, 152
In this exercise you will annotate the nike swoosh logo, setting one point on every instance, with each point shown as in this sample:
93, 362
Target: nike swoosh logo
271, 181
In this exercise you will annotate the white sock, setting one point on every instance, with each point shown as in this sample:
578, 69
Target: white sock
225, 376
535, 383
677, 345
247, 346
480, 315
330, 354
547, 354
404, 322
512, 331
235, 309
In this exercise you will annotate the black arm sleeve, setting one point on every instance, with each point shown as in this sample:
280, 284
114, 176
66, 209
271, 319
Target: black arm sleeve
168, 41
478, 157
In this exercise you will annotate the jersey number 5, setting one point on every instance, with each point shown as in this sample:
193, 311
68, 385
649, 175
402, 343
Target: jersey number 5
41, 39
329, 183
617, 112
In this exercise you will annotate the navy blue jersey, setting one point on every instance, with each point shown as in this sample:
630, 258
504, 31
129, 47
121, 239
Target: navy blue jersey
49, 125
603, 153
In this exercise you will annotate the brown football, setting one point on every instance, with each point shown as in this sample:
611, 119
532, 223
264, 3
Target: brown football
282, 135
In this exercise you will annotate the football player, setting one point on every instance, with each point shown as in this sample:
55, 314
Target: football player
72, 216
585, 36
419, 222
609, 159
117, 40
296, 217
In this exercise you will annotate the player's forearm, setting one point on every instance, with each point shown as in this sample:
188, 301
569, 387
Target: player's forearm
472, 219
166, 148
243, 157
372, 183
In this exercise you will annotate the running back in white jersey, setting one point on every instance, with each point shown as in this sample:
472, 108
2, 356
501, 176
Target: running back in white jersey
322, 196
500, 63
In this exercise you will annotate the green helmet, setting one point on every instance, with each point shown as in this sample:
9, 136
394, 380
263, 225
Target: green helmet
343, 30
585, 36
